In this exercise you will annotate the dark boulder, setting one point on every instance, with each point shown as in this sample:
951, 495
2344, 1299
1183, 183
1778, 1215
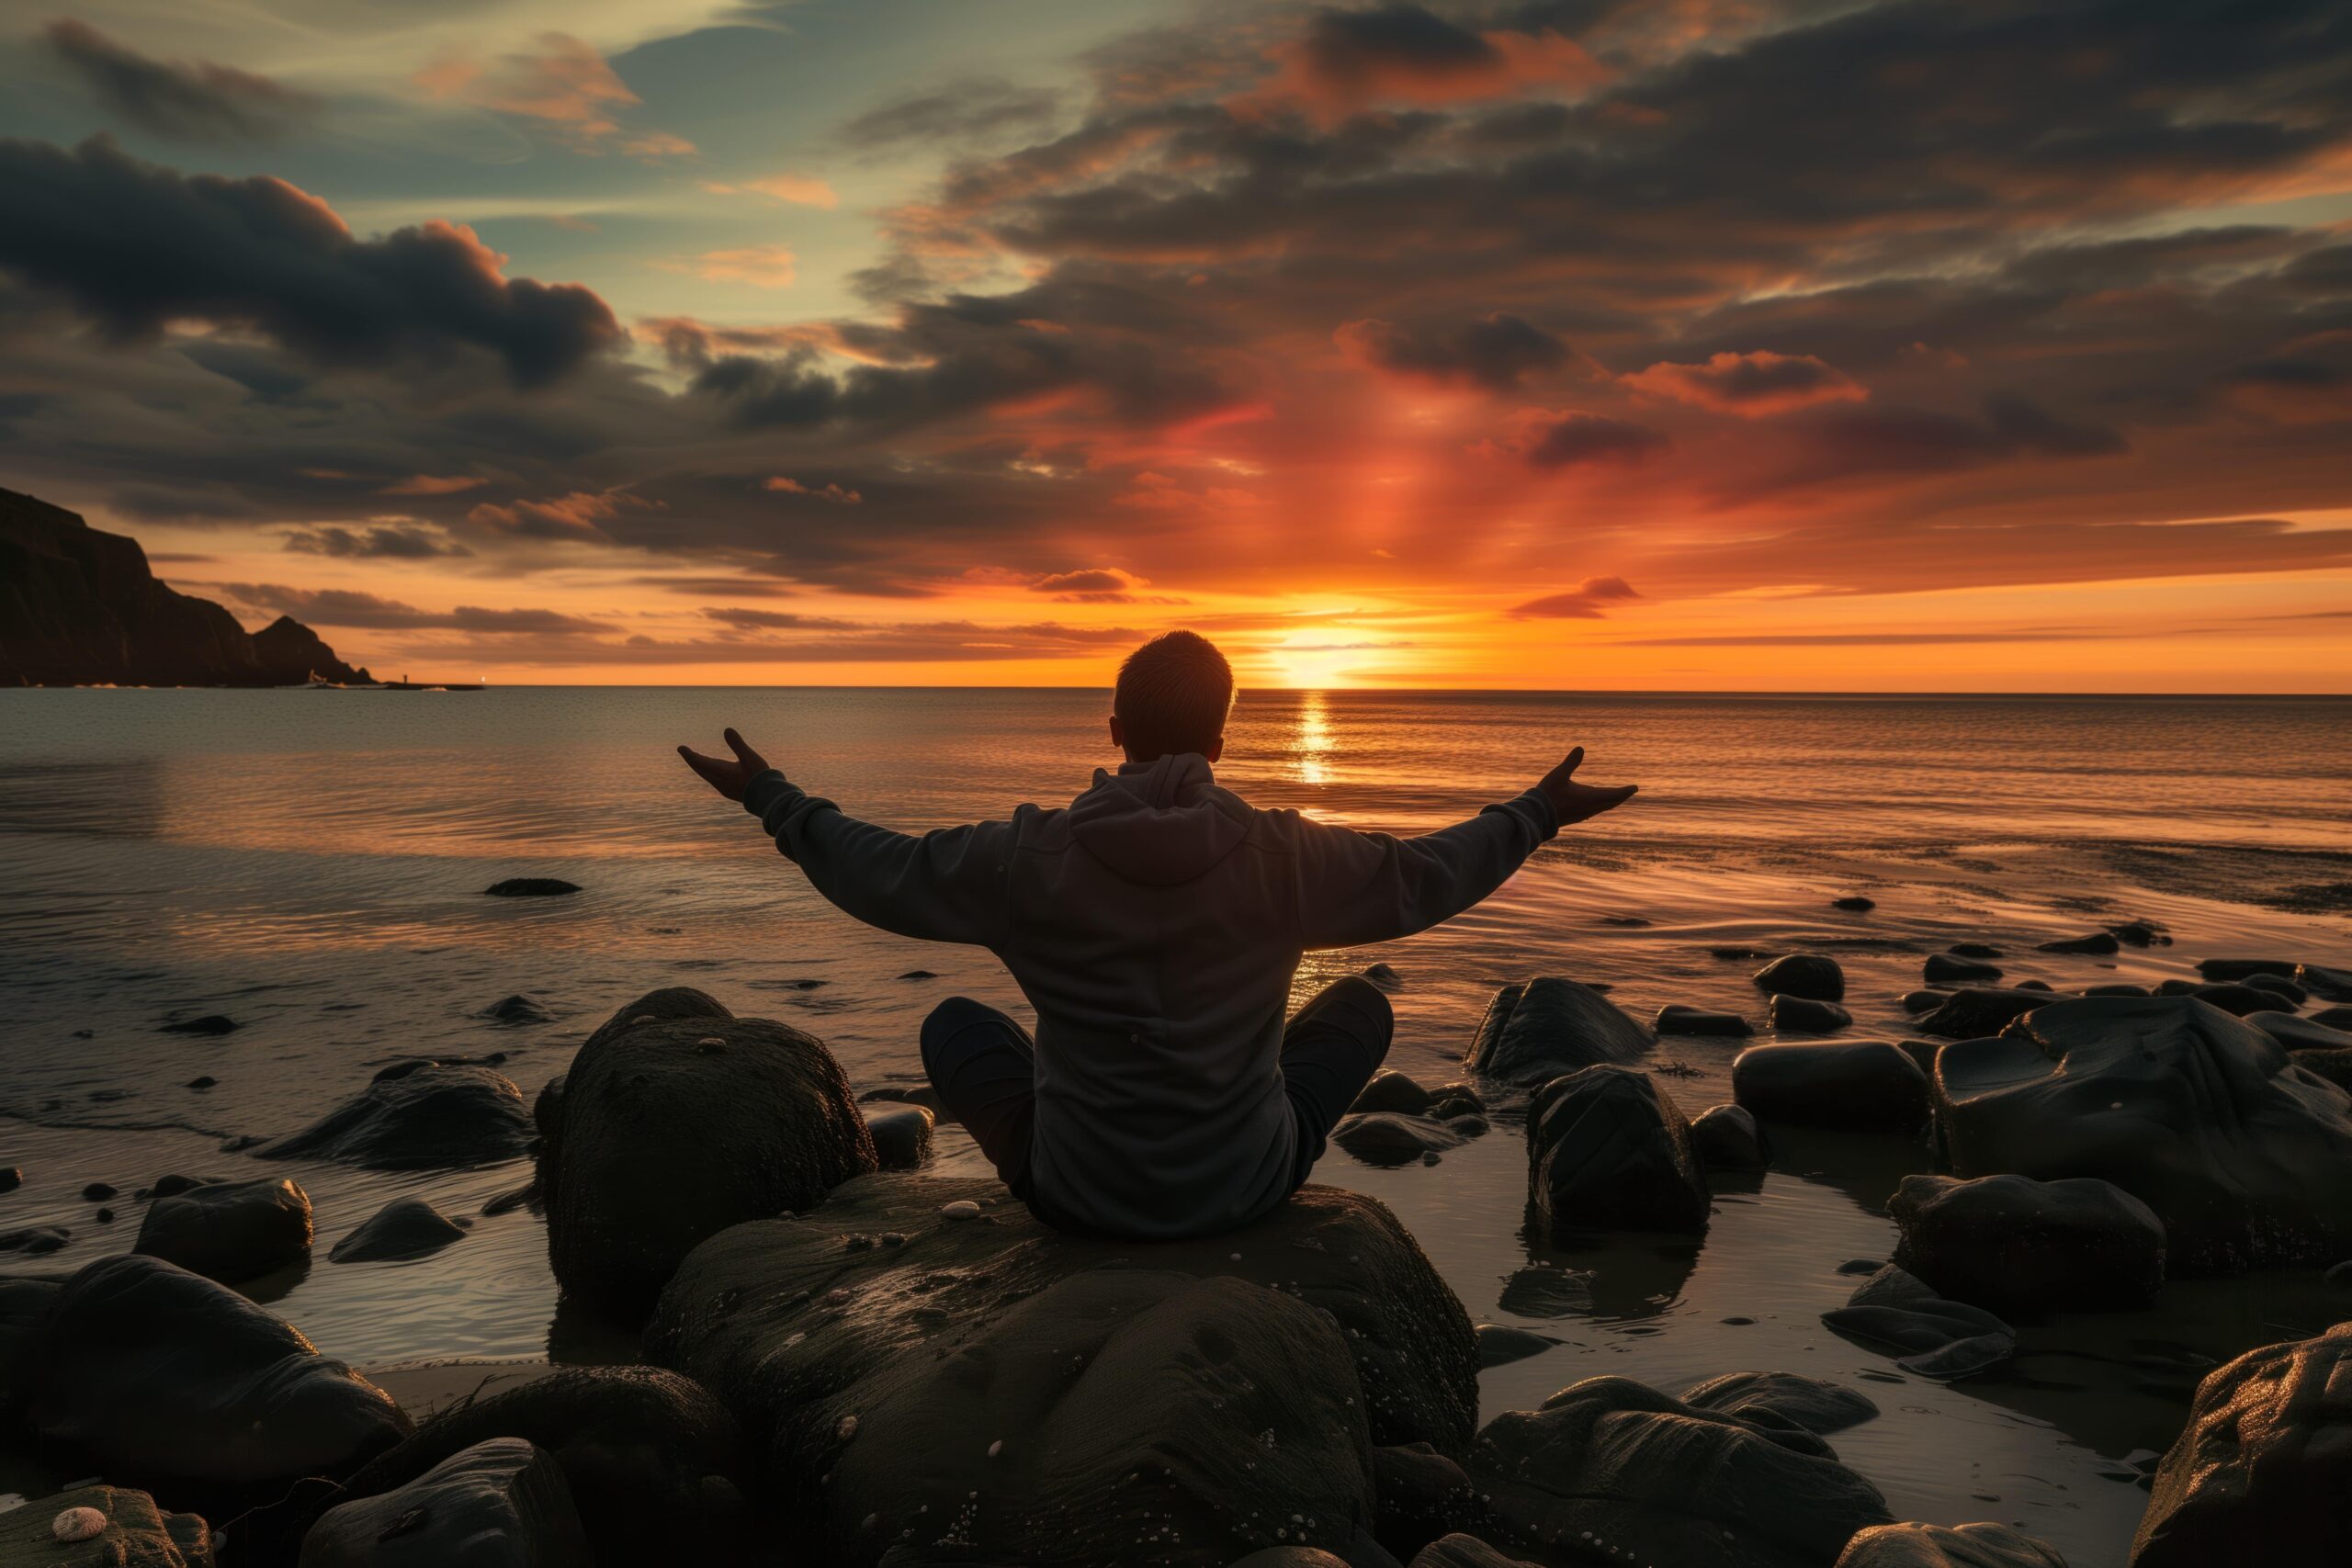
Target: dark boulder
35, 1241
1727, 1138
501, 1504
2098, 944
655, 1463
211, 1023
1392, 1090
1419, 1495
2227, 969
1533, 1033
1895, 1311
1916, 1002
2334, 1018
1388, 1137
2263, 1472
431, 1117
1676, 1018
1865, 1084
405, 1228
1384, 975
675, 1120
2277, 986
1973, 950
2116, 988
1789, 1400
1804, 974
1614, 1461
2232, 996
2010, 1242
133, 1533
2328, 985
531, 887
1942, 969
161, 1375
1499, 1343
2245, 1158
2141, 933
229, 1230
1796, 1015
1854, 903
901, 1135
1941, 1545
517, 1009
2298, 1034
1966, 1014
1608, 1149
11, 1178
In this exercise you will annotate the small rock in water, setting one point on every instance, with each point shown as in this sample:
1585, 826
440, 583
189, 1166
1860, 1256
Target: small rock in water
1384, 975
1855, 902
516, 1009
965, 1209
1727, 1138
1942, 969
211, 1023
207, 1081
35, 1240
99, 1191
1924, 1001
2100, 944
2140, 933
1973, 950
11, 1178
1624, 922
1499, 1343
1392, 1090
1677, 1019
531, 887
901, 1135
918, 975
1801, 1015
1805, 975
78, 1524
406, 1227
2239, 969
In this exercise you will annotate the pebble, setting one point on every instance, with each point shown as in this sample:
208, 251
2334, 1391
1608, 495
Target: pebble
962, 1209
847, 1429
78, 1524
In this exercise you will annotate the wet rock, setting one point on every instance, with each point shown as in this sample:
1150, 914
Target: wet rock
1648, 1478
1459, 1551
2099, 943
1973, 950
2009, 1242
1676, 1018
1788, 1399
11, 1178
99, 1191
1803, 974
920, 1094
531, 887
659, 1137
2277, 986
34, 1241
2334, 1018
2245, 1158
173, 1184
517, 1009
1384, 975
1795, 1015
1895, 1311
1916, 1002
211, 1023
406, 1227
2299, 1034
501, 1504
655, 1463
2328, 985
1939, 1546
432, 1117
1854, 903
130, 1532
1610, 1150
901, 1136
1738, 955
1499, 1343
1392, 1090
1727, 1138
202, 1080
2140, 933
1977, 1010
1102, 1355
2263, 1471
2232, 996
1535, 1032
229, 1230
1942, 969
1865, 1084
1547, 1289
1386, 1137
161, 1375
1419, 1496
2115, 989
2239, 969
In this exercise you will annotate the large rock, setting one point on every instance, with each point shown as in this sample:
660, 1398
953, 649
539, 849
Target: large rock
1391, 1091
501, 1504
135, 1533
1805, 975
229, 1230
2263, 1472
1966, 1014
160, 1376
1728, 1139
1610, 1150
2245, 1158
880, 1302
655, 1464
1939, 1546
1534, 1032
1799, 1015
901, 1135
2010, 1242
405, 1228
1896, 1312
1789, 1400
418, 1116
1612, 1466
1866, 1085
675, 1120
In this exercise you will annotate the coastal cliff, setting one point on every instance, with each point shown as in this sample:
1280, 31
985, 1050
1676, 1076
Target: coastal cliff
81, 607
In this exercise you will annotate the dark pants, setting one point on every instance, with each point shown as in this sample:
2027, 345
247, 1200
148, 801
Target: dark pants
984, 1067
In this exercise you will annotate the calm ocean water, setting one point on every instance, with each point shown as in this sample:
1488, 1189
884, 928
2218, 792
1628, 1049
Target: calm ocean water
312, 864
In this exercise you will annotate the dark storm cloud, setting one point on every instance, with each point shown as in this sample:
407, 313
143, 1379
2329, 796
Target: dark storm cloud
1497, 351
1350, 48
383, 541
134, 246
1590, 438
1852, 440
192, 100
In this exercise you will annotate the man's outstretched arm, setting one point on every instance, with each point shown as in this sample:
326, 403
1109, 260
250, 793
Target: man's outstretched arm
1361, 888
942, 887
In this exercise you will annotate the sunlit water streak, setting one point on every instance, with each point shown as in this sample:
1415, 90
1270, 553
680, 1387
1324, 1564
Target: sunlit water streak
312, 864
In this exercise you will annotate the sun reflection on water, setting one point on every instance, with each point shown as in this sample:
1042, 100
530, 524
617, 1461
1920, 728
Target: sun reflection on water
1311, 740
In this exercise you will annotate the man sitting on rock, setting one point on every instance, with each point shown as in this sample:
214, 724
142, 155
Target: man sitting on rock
1154, 924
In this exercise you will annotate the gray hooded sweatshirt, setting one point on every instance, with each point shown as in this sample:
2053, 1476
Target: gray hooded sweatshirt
1155, 925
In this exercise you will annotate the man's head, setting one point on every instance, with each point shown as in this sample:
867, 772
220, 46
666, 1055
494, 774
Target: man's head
1172, 696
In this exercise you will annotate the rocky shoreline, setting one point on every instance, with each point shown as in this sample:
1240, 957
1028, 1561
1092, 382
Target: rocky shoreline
853, 1360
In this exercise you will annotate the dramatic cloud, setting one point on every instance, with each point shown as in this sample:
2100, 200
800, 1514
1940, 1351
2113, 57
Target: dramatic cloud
1893, 440
1588, 601
1496, 352
135, 247
565, 85
345, 607
831, 492
1394, 53
190, 101
1589, 438
1750, 385
384, 541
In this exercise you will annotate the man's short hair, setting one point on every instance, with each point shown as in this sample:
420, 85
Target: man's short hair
1174, 696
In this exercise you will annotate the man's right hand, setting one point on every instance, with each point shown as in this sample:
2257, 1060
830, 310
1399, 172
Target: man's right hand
729, 776
1574, 801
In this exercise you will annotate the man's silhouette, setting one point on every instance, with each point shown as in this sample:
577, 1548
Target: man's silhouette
1155, 925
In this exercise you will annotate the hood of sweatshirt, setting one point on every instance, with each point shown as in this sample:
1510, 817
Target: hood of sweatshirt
1160, 823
